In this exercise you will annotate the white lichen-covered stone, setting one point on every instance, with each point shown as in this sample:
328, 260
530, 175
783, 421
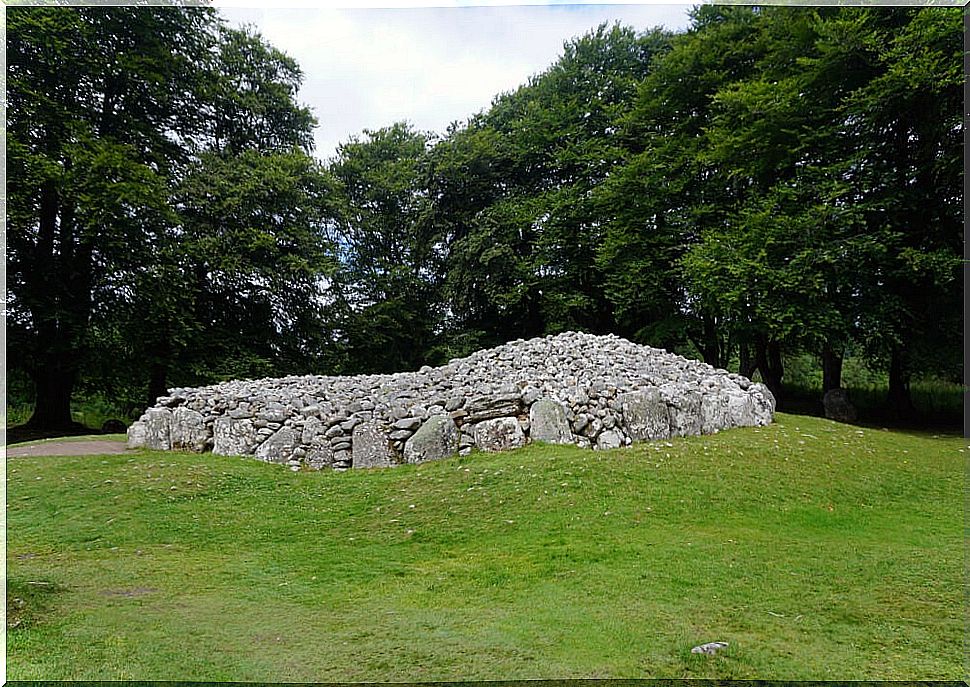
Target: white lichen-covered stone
233, 437
279, 447
371, 447
609, 439
764, 403
547, 422
684, 408
645, 415
499, 434
138, 435
188, 430
714, 413
153, 430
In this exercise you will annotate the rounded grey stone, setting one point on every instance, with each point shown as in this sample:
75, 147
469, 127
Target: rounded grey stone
437, 438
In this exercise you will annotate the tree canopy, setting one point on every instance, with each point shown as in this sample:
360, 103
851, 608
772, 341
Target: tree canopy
772, 181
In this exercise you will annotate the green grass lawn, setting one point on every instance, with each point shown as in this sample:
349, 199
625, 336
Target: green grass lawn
817, 550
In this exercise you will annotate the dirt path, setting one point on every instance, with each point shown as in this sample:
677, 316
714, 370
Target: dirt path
67, 448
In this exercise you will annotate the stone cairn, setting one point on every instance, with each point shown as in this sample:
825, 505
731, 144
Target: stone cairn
597, 392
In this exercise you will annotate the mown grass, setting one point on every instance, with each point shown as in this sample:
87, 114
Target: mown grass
817, 550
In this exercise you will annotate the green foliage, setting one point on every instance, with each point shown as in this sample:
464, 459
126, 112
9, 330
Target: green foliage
780, 191
254, 250
386, 302
162, 199
95, 97
514, 188
772, 182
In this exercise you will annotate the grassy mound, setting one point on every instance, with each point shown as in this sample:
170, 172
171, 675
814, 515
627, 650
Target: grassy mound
816, 550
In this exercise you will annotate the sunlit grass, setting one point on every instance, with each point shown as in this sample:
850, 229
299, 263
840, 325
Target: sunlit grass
817, 550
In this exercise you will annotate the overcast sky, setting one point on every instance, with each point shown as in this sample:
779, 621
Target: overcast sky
367, 68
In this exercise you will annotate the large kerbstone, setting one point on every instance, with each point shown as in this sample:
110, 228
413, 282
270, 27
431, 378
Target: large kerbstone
137, 435
371, 447
714, 412
740, 410
547, 422
684, 408
437, 438
319, 456
278, 448
764, 403
645, 415
188, 431
158, 428
500, 434
233, 437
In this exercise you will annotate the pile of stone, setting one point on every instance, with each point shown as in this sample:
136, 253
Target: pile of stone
597, 392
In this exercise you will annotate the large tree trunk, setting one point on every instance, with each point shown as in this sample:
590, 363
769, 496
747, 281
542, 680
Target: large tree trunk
768, 359
831, 369
746, 361
900, 400
158, 363
59, 290
711, 344
157, 382
54, 384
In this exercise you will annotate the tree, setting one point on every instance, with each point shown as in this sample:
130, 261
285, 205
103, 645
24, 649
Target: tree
386, 290
246, 261
96, 99
514, 189
905, 129
252, 253
665, 192
125, 125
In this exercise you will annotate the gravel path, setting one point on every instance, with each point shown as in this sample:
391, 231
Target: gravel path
68, 448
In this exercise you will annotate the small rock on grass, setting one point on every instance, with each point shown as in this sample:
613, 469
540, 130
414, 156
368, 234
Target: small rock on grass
710, 648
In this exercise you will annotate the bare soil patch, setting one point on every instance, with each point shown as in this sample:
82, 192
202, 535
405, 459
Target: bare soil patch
68, 448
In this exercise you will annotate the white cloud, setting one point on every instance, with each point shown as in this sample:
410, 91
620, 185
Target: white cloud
367, 68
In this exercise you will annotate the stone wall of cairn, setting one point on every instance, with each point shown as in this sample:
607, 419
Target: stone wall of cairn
596, 392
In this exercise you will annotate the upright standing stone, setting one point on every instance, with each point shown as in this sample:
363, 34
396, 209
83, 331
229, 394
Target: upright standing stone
319, 456
188, 430
279, 447
740, 410
609, 439
714, 412
684, 407
158, 428
371, 447
547, 421
645, 415
138, 435
233, 437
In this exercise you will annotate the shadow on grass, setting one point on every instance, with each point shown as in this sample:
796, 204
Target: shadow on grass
22, 433
936, 412
28, 601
